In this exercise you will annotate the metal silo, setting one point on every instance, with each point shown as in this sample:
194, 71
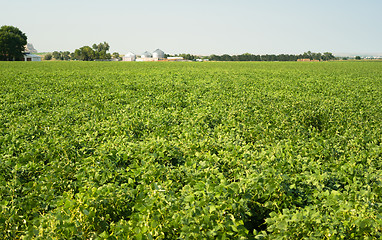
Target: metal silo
129, 57
146, 55
158, 54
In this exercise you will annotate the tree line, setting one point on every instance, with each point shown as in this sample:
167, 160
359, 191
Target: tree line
85, 53
99, 52
267, 57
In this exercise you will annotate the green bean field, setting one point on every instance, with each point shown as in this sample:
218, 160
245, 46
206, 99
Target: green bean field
189, 150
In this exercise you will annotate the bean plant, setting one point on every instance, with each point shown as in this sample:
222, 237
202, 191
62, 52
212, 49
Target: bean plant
120, 150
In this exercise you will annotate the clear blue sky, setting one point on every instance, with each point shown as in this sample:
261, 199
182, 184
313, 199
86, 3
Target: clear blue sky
200, 26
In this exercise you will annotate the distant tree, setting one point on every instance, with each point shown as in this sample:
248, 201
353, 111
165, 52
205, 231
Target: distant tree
357, 58
307, 55
269, 57
65, 55
186, 56
244, 57
76, 55
316, 56
226, 57
87, 54
100, 50
103, 47
95, 47
214, 57
328, 56
249, 57
48, 56
72, 56
12, 43
56, 55
116, 55
272, 57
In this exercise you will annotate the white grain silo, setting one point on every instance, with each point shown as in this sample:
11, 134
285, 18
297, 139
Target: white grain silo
158, 54
129, 57
146, 55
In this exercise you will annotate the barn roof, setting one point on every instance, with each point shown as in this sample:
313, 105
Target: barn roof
31, 55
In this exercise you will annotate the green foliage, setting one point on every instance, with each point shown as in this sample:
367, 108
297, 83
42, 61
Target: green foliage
92, 150
97, 52
12, 43
326, 56
100, 51
61, 55
116, 56
48, 56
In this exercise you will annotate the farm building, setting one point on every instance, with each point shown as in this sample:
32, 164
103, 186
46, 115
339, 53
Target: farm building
129, 57
158, 54
31, 57
145, 57
175, 59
